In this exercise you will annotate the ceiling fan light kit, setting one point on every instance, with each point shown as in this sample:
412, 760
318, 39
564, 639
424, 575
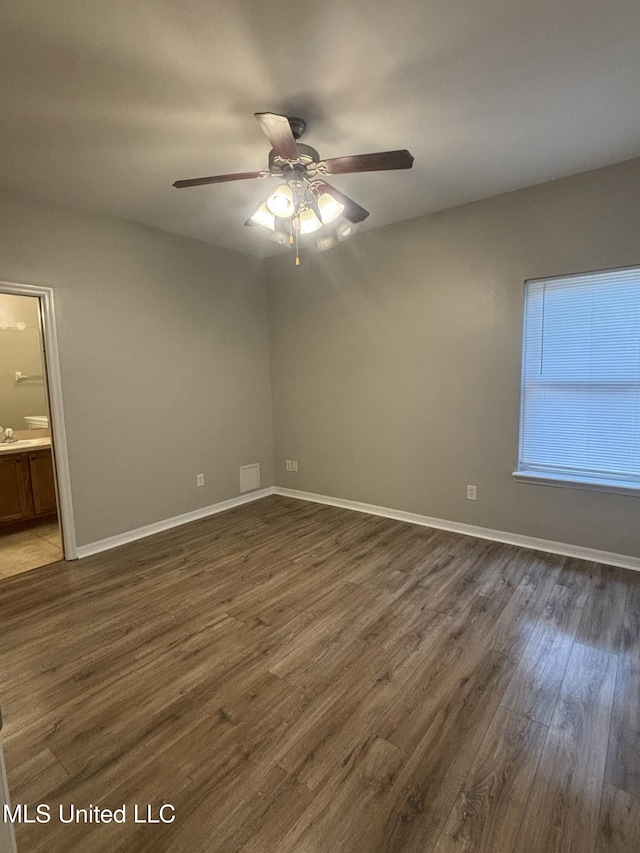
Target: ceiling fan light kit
304, 204
330, 208
280, 202
263, 216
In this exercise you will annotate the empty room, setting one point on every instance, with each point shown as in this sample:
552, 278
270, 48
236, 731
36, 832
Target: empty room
320, 443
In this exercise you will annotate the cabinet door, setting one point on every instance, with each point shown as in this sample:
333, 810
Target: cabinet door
15, 500
43, 486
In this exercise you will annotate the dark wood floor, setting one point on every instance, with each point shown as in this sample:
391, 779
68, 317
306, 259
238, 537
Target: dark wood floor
303, 679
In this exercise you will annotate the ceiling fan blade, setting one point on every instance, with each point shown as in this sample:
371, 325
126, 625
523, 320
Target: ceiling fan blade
219, 179
368, 162
352, 210
278, 131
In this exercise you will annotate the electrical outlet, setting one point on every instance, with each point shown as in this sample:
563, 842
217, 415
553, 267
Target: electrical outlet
294, 465
199, 480
288, 465
472, 493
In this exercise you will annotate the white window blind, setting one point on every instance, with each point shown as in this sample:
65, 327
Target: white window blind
580, 416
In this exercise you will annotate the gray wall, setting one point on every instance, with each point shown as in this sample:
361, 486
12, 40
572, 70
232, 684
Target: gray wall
20, 350
164, 360
396, 358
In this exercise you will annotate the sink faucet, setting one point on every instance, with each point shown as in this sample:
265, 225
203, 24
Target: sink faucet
9, 438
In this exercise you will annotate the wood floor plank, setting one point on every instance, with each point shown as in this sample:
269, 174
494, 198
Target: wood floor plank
601, 623
40, 772
512, 629
562, 813
487, 814
331, 822
446, 664
536, 683
508, 572
405, 621
158, 778
619, 828
296, 677
476, 673
326, 743
414, 812
623, 761
246, 812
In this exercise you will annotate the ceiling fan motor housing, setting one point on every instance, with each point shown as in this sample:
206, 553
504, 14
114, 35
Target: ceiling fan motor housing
297, 125
308, 157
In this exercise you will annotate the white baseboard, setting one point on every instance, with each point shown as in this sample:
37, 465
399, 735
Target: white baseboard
592, 554
167, 524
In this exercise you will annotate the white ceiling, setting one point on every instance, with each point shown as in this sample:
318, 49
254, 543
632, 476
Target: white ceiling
105, 104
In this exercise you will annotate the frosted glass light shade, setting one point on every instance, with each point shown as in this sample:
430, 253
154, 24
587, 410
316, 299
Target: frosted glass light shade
281, 237
263, 216
280, 202
326, 241
330, 208
346, 229
309, 222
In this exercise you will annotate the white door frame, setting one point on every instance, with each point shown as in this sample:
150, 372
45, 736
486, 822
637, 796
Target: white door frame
54, 388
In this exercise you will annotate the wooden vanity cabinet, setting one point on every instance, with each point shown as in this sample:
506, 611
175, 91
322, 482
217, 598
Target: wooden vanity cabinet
15, 498
27, 486
43, 487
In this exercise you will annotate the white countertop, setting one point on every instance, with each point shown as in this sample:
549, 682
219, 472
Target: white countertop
25, 445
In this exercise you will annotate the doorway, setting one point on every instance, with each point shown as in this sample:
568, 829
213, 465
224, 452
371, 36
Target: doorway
36, 526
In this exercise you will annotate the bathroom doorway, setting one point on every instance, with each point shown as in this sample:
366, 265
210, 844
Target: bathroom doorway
34, 497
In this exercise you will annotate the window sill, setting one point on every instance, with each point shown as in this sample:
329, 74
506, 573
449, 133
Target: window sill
540, 479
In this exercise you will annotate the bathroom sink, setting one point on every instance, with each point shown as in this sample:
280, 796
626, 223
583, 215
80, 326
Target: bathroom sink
25, 444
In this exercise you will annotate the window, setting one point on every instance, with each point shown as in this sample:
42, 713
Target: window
580, 408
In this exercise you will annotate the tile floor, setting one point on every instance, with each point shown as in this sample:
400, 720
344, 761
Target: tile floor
27, 549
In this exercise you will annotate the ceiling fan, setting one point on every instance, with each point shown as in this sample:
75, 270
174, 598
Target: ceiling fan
304, 203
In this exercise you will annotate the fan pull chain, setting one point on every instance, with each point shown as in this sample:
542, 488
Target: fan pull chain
297, 251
